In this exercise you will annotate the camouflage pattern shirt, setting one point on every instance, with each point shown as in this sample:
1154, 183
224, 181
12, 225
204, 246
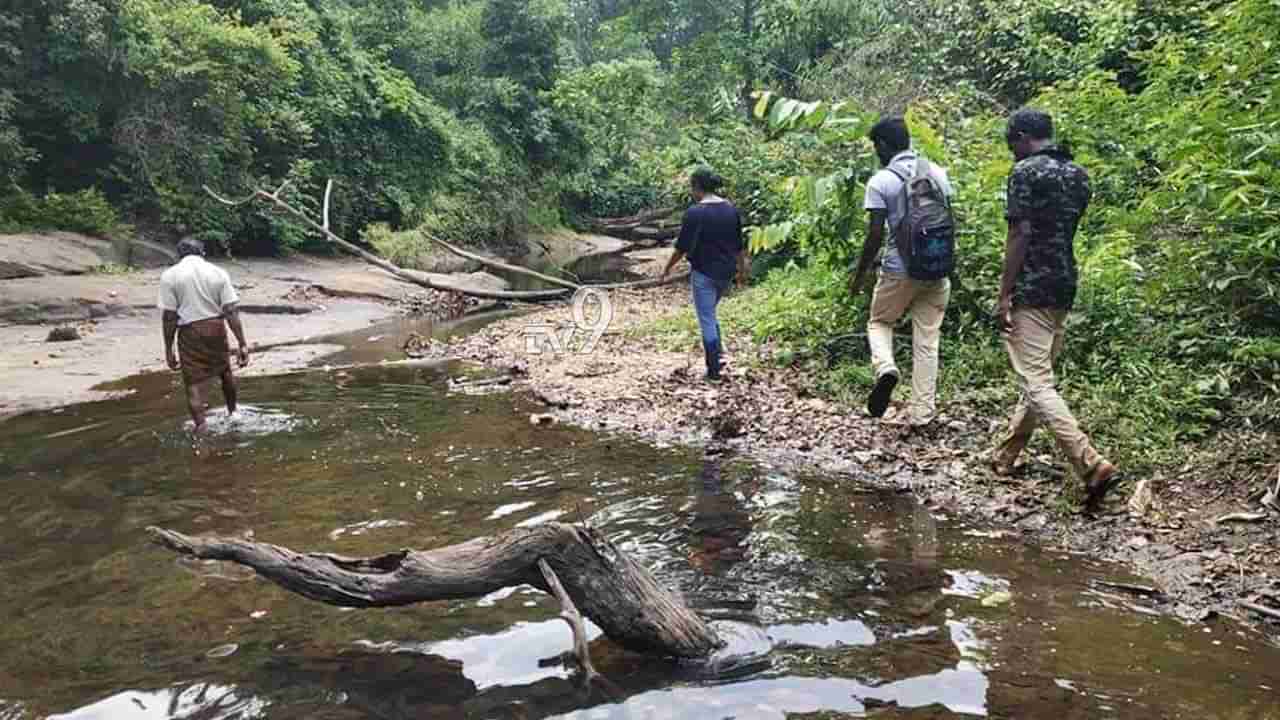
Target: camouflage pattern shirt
1052, 192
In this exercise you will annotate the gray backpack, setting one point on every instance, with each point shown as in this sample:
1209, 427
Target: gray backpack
928, 228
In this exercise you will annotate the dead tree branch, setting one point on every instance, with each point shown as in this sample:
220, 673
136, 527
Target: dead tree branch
619, 595
488, 262
569, 613
417, 278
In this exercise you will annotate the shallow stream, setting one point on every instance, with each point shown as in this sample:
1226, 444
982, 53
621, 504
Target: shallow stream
874, 605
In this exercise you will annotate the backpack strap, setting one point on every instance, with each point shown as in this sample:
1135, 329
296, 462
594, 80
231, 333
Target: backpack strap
902, 196
922, 169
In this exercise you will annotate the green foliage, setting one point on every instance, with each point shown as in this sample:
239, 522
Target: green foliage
611, 105
85, 212
1175, 326
15, 155
406, 248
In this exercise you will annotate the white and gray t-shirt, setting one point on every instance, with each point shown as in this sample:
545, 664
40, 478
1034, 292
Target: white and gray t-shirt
884, 192
196, 290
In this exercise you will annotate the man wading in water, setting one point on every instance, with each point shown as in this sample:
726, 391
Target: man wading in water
711, 237
1047, 196
199, 301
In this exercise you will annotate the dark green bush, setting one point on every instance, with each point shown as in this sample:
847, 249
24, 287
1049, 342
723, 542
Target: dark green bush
86, 211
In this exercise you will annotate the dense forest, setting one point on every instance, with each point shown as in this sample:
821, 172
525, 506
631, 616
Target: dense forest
479, 120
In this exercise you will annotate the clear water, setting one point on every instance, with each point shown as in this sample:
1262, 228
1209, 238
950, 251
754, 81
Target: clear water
872, 604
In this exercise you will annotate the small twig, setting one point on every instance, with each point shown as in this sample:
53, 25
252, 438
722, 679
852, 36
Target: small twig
1144, 590
1241, 517
1260, 609
482, 382
569, 613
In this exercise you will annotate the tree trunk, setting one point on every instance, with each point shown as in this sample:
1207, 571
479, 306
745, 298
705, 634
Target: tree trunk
610, 588
413, 276
749, 60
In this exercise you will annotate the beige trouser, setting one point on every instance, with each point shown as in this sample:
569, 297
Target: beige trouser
927, 301
1034, 344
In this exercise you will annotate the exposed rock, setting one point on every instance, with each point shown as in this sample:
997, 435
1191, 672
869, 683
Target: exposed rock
66, 333
64, 253
55, 253
145, 254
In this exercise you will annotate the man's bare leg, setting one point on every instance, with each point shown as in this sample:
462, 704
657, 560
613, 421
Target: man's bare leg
196, 404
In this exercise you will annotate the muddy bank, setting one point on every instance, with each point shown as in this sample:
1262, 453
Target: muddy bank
1198, 567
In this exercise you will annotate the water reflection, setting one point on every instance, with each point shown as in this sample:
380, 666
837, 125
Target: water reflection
514, 674
719, 521
517, 656
959, 691
203, 701
827, 634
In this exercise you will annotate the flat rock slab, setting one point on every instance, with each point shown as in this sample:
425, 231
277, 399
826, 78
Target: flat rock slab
64, 253
58, 253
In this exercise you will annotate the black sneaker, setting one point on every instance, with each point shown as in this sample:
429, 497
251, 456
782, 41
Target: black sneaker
878, 401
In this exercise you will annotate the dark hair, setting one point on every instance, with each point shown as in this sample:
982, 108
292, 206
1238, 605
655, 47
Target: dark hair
891, 131
190, 246
1035, 124
705, 179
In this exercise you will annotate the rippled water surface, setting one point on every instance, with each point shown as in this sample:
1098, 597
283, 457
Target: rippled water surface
872, 605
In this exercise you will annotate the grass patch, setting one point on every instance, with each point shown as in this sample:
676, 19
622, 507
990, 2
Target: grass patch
113, 269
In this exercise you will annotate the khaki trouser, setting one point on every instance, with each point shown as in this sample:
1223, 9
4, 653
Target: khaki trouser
927, 301
1034, 344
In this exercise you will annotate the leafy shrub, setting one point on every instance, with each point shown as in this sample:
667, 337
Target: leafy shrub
86, 211
406, 248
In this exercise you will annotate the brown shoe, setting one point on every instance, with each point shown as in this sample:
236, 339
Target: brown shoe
1100, 480
1003, 459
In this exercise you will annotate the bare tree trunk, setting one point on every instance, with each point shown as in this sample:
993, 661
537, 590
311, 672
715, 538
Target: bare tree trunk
749, 60
417, 278
610, 588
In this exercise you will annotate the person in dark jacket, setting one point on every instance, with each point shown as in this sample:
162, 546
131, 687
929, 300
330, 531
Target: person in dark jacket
1048, 195
711, 238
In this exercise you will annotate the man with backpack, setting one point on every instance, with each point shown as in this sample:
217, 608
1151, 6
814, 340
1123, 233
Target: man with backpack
1047, 197
910, 195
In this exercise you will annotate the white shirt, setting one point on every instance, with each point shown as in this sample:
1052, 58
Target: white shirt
884, 192
196, 290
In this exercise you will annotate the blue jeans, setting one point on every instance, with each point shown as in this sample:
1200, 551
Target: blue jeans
706, 295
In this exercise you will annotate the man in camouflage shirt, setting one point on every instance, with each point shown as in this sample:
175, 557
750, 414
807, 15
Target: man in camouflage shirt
1047, 196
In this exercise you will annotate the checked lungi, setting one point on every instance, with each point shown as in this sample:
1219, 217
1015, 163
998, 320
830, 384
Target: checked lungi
203, 350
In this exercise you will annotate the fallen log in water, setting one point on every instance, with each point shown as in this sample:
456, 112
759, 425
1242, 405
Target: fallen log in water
610, 588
